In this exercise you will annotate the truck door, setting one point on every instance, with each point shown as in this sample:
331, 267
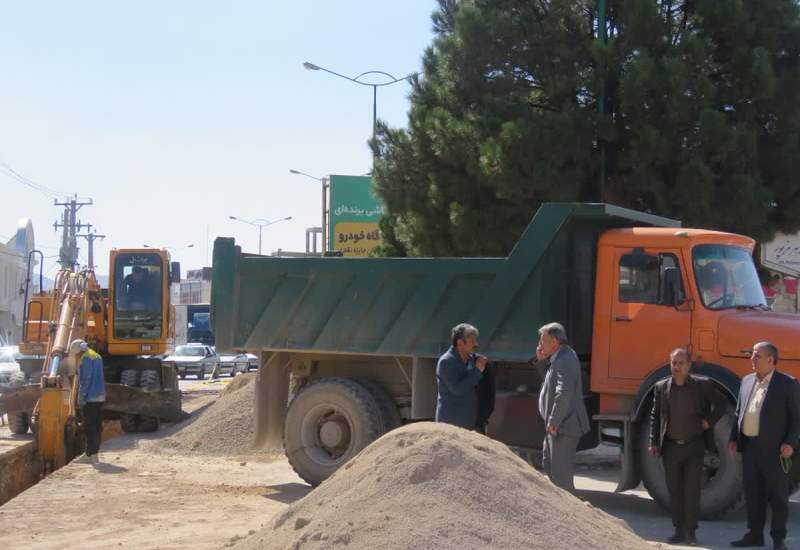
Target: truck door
645, 322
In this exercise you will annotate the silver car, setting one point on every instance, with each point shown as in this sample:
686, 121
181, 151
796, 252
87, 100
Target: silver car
194, 359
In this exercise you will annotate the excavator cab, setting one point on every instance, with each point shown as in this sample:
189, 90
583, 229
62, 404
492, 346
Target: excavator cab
139, 305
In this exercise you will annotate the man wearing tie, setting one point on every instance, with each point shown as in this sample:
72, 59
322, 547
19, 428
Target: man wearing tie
766, 431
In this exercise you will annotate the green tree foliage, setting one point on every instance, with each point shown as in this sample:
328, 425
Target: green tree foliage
701, 119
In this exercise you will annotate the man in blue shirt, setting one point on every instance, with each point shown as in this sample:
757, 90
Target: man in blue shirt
457, 375
91, 396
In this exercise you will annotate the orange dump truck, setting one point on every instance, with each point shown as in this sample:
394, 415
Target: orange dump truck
359, 337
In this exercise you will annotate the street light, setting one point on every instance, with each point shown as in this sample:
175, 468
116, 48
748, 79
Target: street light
357, 80
261, 224
325, 186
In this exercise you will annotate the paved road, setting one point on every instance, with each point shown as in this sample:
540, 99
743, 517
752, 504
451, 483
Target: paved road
651, 522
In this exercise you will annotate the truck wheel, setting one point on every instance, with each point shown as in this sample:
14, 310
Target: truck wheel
391, 416
129, 377
327, 424
129, 422
18, 423
183, 376
149, 382
722, 473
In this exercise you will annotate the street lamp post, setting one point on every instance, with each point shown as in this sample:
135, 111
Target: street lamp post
325, 185
357, 80
261, 224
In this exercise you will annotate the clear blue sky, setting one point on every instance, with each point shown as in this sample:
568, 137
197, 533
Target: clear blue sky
173, 115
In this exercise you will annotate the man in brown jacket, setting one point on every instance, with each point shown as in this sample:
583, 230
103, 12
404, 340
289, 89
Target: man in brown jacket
685, 406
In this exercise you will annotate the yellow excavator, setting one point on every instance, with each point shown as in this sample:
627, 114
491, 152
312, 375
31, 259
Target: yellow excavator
130, 324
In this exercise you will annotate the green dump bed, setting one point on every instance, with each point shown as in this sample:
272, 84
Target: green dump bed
407, 306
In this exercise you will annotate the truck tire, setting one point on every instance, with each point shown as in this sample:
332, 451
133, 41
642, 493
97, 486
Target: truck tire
18, 423
391, 416
129, 377
149, 381
328, 423
722, 490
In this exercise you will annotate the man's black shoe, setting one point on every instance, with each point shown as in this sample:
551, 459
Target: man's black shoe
677, 536
748, 540
691, 539
779, 545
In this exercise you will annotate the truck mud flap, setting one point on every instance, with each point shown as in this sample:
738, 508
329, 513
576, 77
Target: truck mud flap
272, 392
164, 404
629, 477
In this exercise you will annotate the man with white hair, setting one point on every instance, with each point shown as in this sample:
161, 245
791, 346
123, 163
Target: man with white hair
561, 405
91, 396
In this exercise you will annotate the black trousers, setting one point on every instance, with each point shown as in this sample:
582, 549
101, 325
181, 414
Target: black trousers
683, 466
764, 483
93, 426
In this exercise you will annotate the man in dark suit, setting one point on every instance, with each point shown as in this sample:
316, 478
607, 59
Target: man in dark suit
684, 407
561, 405
458, 373
767, 429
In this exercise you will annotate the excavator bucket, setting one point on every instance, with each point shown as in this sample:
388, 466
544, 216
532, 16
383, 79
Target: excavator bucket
53, 413
164, 404
23, 398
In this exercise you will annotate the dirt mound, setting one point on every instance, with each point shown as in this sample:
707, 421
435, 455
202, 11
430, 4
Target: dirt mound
238, 383
225, 428
436, 486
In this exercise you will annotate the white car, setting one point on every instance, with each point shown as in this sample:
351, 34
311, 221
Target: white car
195, 359
11, 374
232, 364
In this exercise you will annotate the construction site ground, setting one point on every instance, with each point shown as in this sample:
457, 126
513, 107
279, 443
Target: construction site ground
144, 500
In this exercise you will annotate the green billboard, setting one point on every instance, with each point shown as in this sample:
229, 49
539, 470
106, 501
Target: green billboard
354, 213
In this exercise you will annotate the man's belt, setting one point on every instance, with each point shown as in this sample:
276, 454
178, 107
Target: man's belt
683, 441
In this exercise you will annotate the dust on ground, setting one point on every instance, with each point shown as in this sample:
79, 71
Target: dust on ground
437, 486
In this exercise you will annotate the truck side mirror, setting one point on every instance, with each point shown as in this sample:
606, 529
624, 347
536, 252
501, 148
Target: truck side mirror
175, 272
671, 291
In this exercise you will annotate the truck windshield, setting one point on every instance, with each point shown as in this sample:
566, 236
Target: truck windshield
726, 277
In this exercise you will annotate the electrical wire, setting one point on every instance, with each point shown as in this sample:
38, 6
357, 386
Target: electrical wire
19, 178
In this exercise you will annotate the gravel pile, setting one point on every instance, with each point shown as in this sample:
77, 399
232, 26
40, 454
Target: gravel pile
227, 427
437, 486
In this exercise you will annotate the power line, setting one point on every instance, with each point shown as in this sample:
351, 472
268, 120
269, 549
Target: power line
19, 178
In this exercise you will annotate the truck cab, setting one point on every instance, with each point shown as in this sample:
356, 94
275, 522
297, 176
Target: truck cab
658, 289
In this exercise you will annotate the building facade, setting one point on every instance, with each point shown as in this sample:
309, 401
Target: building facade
13, 275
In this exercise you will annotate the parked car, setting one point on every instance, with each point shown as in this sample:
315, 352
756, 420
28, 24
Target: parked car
252, 361
10, 371
231, 364
195, 359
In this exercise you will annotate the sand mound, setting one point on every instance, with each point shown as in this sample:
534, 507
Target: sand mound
227, 427
436, 486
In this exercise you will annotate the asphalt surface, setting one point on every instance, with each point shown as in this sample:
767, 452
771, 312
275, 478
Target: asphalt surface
596, 482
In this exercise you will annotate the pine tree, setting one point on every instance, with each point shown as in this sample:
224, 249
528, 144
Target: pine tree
700, 119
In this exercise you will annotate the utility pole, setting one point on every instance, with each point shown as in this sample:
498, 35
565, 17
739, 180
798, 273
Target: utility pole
68, 253
91, 237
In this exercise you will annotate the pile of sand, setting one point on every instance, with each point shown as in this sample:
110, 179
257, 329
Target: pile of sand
437, 486
226, 427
